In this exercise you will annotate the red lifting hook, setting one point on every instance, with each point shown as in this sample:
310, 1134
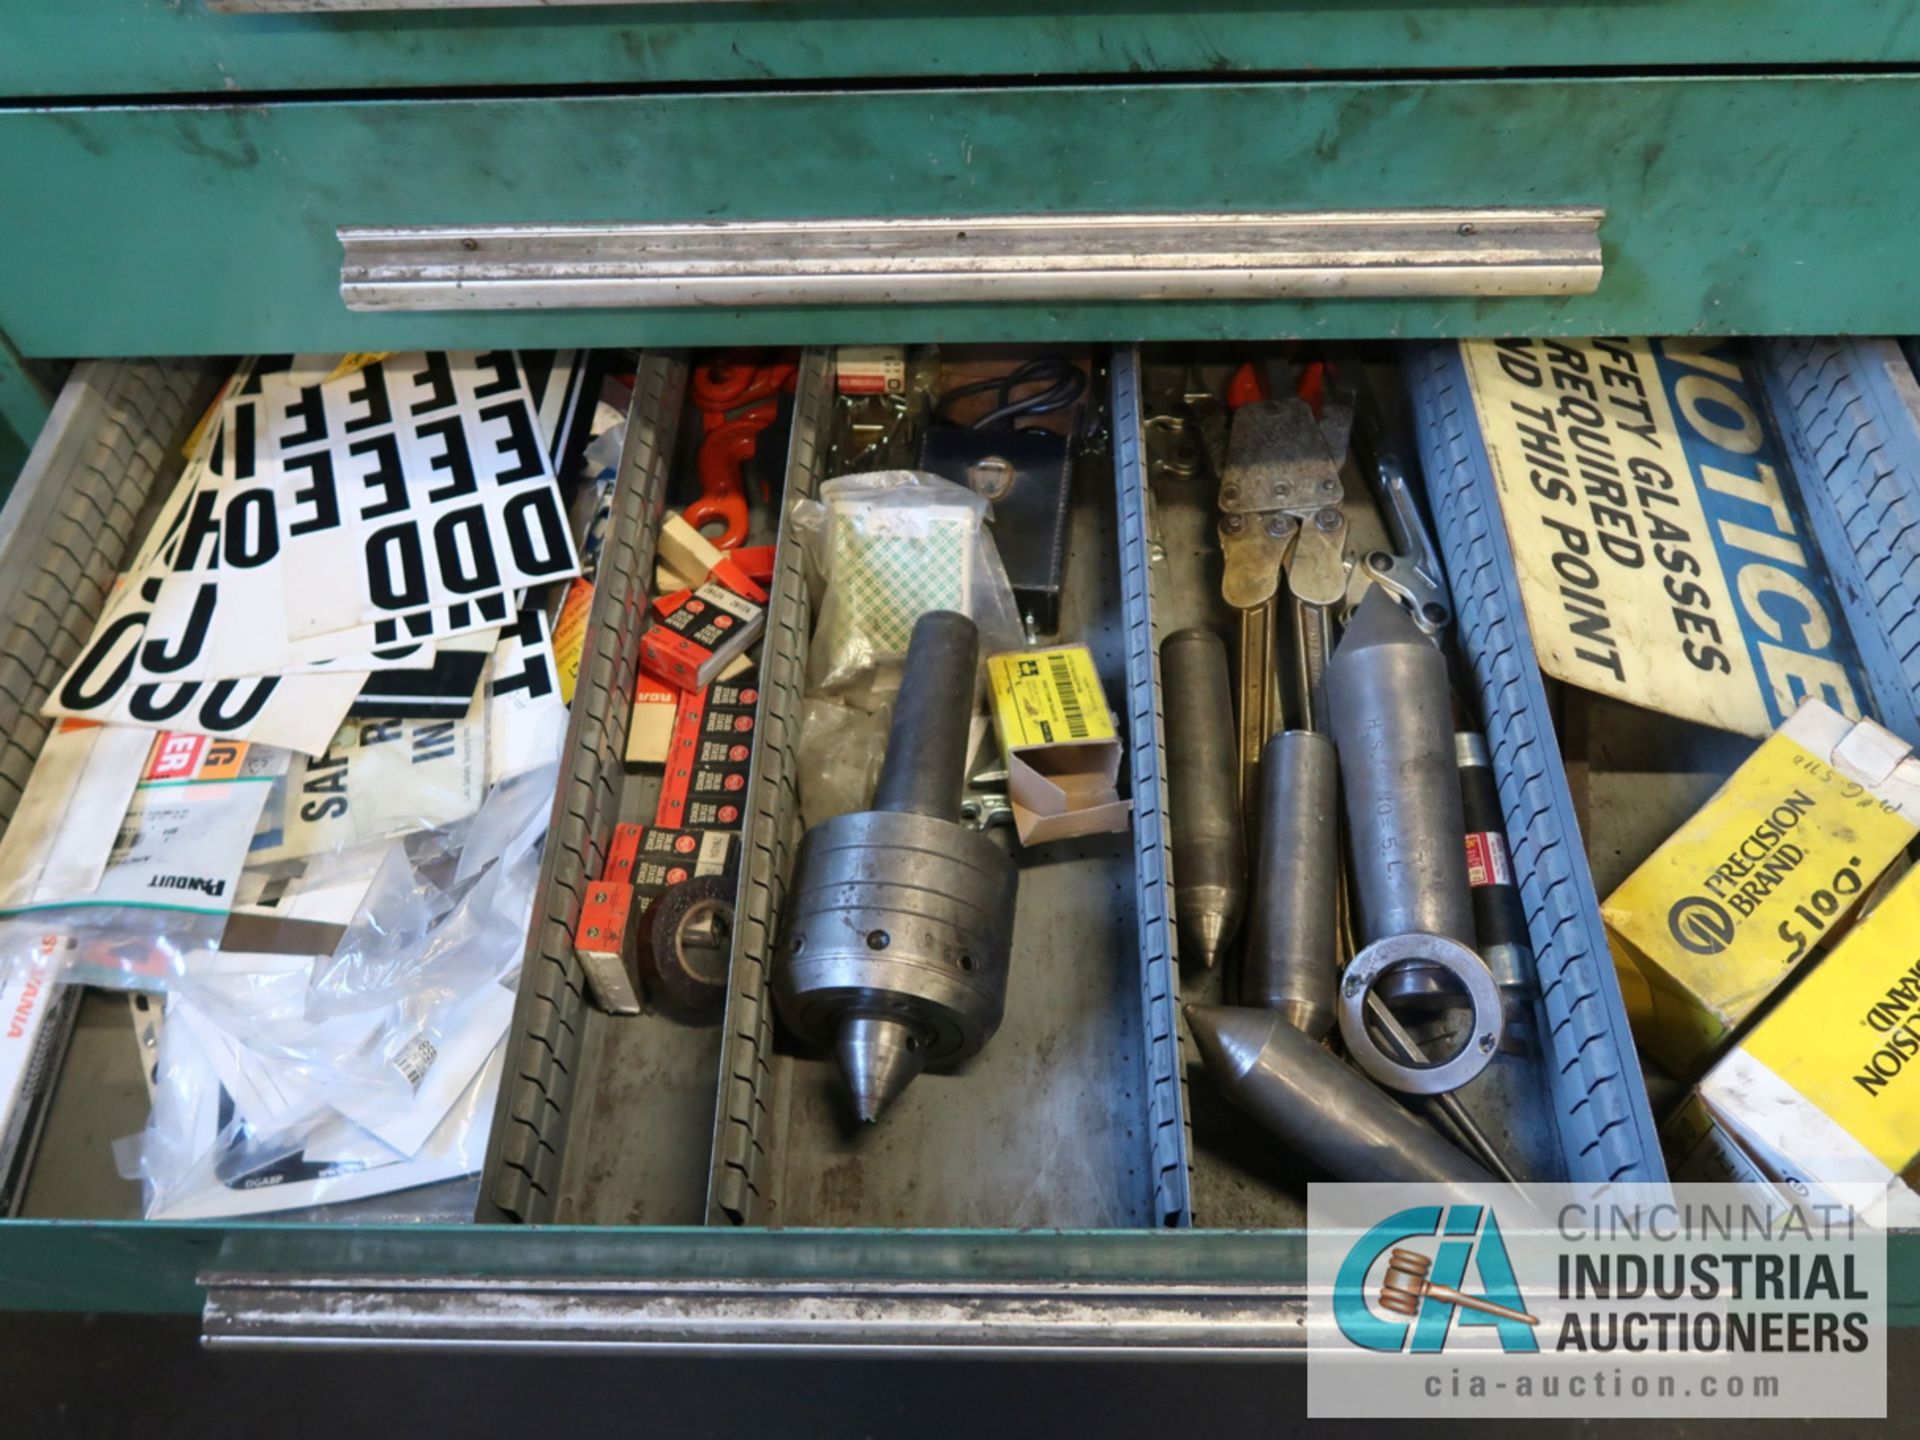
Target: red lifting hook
738, 401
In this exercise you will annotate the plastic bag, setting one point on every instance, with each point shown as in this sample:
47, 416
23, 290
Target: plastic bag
165, 886
447, 911
841, 748
393, 1071
113, 947
202, 1157
886, 548
378, 779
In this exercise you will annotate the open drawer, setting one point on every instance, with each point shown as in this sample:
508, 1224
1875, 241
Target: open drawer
650, 1184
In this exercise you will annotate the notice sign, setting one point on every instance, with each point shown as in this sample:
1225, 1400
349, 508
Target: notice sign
1662, 553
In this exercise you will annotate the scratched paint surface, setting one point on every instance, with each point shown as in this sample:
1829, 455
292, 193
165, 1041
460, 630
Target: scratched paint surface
1734, 206
151, 47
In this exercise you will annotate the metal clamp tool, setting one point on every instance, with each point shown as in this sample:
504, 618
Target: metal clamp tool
1280, 514
1410, 570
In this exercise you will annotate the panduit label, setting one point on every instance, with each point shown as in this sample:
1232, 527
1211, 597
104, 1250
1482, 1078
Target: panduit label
1662, 553
1759, 878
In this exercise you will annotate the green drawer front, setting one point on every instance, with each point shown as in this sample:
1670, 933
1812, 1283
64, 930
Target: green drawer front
1737, 206
152, 47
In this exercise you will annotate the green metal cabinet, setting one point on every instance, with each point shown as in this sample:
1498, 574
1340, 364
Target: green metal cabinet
1731, 205
176, 177
188, 47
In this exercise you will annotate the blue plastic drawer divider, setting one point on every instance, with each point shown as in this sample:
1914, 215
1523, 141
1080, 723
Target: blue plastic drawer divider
1848, 414
1606, 1124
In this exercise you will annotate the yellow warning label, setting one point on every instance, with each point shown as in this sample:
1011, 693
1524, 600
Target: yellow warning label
1718, 916
1848, 1037
1048, 697
1661, 555
570, 635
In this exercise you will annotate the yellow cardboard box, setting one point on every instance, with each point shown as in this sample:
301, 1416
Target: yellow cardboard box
1827, 1085
1062, 753
1754, 883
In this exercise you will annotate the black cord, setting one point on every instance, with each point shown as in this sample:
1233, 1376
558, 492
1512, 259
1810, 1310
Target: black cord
1064, 380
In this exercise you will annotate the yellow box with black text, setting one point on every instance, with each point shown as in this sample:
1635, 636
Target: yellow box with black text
1826, 1087
1058, 738
1758, 880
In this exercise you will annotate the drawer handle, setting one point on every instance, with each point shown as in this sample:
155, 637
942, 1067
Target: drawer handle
726, 1316
1371, 254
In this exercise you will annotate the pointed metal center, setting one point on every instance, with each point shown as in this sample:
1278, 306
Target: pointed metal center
879, 1058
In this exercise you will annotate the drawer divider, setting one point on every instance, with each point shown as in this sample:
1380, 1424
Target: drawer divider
1848, 413
526, 1145
736, 1185
1605, 1120
1153, 865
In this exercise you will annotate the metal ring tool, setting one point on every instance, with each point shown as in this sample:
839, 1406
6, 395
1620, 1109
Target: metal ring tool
1483, 1039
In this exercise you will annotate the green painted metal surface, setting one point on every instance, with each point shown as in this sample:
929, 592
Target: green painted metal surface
1733, 205
24, 406
111, 47
57, 1265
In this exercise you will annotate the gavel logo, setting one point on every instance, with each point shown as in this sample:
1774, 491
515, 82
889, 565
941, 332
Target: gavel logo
1406, 1284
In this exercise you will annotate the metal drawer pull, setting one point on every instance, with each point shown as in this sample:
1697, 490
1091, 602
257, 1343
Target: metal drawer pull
1396, 254
258, 1311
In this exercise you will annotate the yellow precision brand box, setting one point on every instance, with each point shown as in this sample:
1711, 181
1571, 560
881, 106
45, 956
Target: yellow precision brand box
1062, 753
1826, 1087
1756, 881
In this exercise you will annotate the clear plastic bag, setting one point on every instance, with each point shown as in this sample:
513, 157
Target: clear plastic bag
447, 911
378, 779
841, 748
884, 549
114, 947
202, 1157
164, 886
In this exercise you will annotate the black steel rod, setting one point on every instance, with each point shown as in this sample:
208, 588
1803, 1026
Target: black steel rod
925, 770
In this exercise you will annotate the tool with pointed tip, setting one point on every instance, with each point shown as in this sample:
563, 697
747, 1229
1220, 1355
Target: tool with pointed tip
1317, 1106
1405, 1285
1392, 719
1203, 794
1292, 949
899, 921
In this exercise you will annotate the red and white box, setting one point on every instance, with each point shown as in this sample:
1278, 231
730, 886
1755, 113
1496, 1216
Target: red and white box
697, 633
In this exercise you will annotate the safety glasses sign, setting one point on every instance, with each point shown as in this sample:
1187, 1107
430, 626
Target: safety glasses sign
1662, 551
1558, 1301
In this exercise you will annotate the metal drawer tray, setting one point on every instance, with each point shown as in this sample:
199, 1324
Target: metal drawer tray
614, 1120
1067, 1119
653, 1228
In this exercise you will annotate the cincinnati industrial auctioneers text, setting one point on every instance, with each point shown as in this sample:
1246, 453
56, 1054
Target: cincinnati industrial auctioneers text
1826, 1282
